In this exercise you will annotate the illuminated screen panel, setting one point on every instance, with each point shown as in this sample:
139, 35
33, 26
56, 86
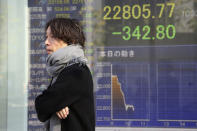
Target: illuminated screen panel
169, 22
143, 56
146, 64
144, 93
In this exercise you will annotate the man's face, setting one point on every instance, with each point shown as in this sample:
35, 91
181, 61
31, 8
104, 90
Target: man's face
52, 44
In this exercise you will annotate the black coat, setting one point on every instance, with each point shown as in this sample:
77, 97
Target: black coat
73, 88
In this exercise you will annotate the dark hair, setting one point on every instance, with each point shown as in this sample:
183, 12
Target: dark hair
68, 30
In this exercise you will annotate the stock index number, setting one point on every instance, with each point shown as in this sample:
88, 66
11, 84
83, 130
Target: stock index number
137, 11
144, 33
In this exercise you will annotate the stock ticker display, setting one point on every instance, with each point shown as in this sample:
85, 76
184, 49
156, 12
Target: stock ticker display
143, 57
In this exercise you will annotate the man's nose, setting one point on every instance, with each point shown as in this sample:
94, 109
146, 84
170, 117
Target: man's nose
46, 42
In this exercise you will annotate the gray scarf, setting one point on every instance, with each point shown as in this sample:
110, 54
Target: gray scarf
64, 57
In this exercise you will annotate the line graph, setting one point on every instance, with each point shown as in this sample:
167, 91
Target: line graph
124, 87
118, 98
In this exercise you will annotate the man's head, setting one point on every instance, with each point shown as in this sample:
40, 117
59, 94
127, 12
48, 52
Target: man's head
61, 32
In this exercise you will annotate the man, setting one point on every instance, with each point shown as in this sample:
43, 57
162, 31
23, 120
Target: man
68, 103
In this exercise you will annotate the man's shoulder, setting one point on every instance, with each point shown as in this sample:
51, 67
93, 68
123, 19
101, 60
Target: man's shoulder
77, 73
75, 69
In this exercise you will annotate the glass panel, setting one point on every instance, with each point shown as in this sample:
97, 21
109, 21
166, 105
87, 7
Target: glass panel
142, 54
17, 65
137, 55
3, 65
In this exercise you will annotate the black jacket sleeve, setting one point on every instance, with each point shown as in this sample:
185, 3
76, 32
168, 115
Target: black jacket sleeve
62, 93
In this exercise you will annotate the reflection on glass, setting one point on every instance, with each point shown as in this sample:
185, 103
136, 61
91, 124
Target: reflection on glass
145, 49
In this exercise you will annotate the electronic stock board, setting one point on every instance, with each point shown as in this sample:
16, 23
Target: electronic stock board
143, 57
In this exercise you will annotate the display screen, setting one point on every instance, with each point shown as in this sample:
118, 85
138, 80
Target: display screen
146, 69
142, 54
